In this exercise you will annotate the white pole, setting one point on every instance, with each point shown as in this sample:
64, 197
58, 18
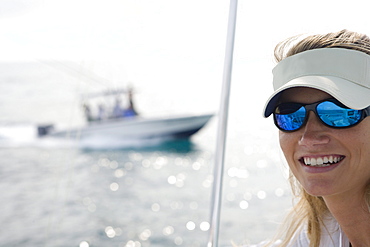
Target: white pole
222, 129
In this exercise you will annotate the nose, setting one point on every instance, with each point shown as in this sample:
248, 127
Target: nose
313, 132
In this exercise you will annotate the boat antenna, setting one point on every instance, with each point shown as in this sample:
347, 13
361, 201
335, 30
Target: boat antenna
222, 129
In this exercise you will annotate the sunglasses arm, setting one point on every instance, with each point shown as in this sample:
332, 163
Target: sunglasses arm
367, 111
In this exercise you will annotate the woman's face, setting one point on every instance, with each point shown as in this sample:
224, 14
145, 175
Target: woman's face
347, 150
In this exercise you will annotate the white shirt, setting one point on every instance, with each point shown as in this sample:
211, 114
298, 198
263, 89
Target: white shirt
331, 236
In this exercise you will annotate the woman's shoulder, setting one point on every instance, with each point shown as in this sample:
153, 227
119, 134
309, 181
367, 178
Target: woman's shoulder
265, 243
331, 235
298, 240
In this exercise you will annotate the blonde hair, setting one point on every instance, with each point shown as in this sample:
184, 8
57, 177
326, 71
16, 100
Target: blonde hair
311, 210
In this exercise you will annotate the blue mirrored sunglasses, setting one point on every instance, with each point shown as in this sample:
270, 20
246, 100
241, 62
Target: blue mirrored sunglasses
290, 117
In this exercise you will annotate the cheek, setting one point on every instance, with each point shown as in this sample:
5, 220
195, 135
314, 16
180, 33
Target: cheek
365, 144
287, 143
357, 139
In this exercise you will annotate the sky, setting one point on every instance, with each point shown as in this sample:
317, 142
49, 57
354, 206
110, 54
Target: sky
105, 29
83, 29
174, 48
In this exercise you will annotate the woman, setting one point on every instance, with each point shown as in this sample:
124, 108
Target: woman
320, 105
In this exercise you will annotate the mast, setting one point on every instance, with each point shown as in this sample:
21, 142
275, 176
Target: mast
222, 129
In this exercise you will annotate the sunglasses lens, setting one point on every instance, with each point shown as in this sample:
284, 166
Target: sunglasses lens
337, 116
289, 116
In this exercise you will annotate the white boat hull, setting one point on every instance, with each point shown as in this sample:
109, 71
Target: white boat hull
139, 128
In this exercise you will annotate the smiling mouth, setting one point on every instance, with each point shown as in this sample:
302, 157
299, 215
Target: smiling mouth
323, 161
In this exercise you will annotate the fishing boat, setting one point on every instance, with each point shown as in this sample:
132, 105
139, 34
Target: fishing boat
126, 124
135, 128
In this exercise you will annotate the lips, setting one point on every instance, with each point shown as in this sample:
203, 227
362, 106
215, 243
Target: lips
321, 161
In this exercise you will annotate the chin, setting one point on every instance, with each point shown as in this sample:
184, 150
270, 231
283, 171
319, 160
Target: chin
319, 188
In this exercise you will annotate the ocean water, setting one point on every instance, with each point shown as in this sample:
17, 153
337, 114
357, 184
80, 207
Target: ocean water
59, 193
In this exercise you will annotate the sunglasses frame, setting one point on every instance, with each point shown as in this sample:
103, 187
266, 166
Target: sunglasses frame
313, 107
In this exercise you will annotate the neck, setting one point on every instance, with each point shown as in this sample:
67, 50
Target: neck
353, 216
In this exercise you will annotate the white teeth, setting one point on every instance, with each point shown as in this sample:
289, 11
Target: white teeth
322, 161
326, 160
331, 159
313, 162
307, 161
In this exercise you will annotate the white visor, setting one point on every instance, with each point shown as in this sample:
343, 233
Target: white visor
342, 73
